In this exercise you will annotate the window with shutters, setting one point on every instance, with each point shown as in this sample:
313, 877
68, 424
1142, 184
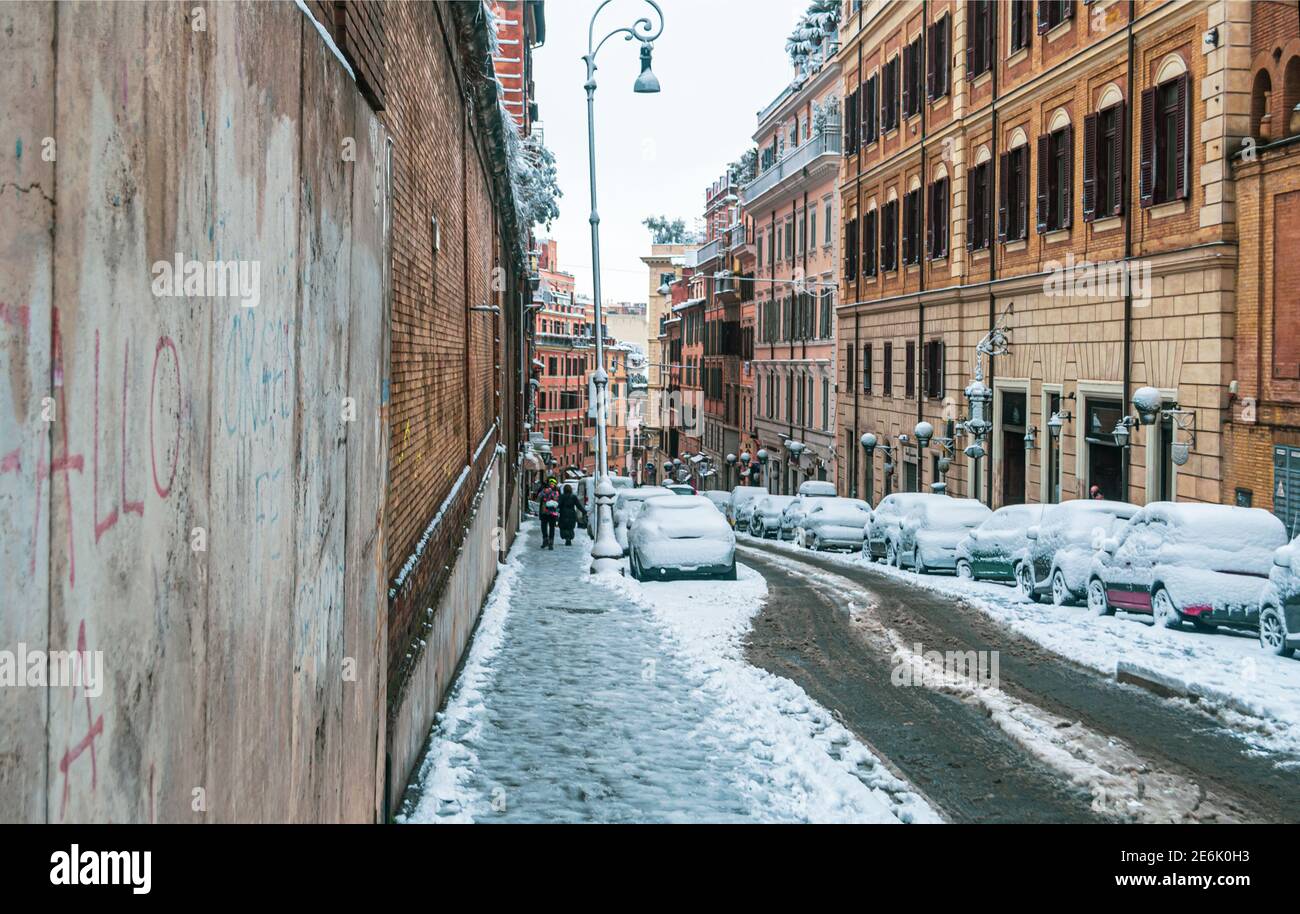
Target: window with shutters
1013, 195
1164, 144
866, 367
812, 226
979, 207
789, 238
889, 97
1021, 15
937, 227
979, 37
851, 115
1052, 13
1055, 176
938, 58
871, 110
887, 364
851, 250
932, 369
826, 221
1103, 163
909, 370
912, 227
826, 403
889, 237
912, 79
869, 244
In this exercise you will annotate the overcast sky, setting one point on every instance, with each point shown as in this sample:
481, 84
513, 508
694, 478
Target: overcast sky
718, 61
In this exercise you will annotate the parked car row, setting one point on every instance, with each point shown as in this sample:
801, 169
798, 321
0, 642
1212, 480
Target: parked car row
1199, 564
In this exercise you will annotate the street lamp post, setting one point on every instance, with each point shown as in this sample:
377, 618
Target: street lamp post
605, 551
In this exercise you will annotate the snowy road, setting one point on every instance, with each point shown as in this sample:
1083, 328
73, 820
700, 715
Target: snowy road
1057, 740
583, 701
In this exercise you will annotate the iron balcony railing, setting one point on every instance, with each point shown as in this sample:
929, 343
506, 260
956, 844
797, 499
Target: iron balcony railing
709, 251
736, 236
825, 142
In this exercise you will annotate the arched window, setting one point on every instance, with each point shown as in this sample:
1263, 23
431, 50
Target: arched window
1290, 98
1261, 93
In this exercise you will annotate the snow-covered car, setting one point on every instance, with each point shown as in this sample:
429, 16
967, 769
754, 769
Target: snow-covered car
1061, 547
1205, 564
587, 492
741, 506
988, 552
628, 505
930, 531
816, 488
766, 519
834, 523
680, 488
719, 498
1279, 610
810, 493
882, 531
681, 536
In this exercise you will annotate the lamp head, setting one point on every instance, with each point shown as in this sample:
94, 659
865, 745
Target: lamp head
731, 459
1121, 433
868, 442
1055, 424
647, 81
762, 455
924, 431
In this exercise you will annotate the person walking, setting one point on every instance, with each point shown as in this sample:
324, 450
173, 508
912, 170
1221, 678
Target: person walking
548, 507
570, 508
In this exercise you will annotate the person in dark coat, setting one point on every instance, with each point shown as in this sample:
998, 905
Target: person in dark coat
570, 508
548, 507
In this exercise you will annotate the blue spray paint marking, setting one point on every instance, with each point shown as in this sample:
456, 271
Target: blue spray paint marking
18, 147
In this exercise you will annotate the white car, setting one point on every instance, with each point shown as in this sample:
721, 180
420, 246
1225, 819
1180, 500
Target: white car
766, 520
1198, 563
1279, 610
628, 505
741, 506
834, 523
989, 552
883, 530
587, 492
930, 531
810, 493
682, 536
719, 498
1061, 548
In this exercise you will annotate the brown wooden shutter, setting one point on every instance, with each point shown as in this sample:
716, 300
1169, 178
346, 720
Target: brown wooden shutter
1004, 193
1118, 164
1044, 180
1147, 155
909, 61
940, 381
925, 369
1067, 191
970, 38
990, 37
1181, 170
930, 57
988, 203
1067, 9
1090, 167
1022, 181
945, 63
1043, 25
970, 208
929, 223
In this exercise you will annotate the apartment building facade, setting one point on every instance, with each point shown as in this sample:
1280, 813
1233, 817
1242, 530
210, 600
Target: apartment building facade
665, 264
1057, 169
562, 352
793, 204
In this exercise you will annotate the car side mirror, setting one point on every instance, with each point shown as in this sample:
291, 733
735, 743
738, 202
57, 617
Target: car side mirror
1110, 544
1282, 557
1032, 533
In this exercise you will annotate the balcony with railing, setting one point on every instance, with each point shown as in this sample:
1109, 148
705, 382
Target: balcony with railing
737, 237
823, 146
710, 251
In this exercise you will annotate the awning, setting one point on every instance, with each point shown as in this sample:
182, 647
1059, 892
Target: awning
533, 462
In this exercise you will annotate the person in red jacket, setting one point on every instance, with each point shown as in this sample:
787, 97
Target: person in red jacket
548, 507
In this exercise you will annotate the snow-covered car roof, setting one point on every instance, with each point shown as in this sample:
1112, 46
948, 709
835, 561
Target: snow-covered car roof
683, 515
1201, 534
747, 493
640, 493
1077, 506
818, 488
717, 496
836, 509
775, 502
952, 513
905, 500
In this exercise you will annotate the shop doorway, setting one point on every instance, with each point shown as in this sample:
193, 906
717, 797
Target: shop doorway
1013, 447
1105, 468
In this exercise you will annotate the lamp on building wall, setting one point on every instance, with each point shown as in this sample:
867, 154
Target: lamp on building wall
605, 551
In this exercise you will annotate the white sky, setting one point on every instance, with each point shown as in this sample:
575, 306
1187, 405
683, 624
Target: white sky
718, 62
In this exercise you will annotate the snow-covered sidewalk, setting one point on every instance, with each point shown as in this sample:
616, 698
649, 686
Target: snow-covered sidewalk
603, 700
1253, 693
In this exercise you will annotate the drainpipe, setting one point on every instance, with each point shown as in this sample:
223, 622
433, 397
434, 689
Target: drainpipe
993, 273
1126, 463
920, 311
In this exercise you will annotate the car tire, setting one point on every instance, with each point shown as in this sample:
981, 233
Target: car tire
891, 554
815, 544
964, 570
1025, 583
632, 566
730, 573
1273, 633
918, 563
1061, 595
1098, 605
1164, 611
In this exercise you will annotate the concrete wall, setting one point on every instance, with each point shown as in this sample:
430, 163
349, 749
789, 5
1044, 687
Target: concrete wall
243, 681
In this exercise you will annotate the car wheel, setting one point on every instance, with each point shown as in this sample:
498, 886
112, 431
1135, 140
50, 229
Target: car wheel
730, 573
632, 566
918, 563
1097, 601
964, 570
1164, 611
1272, 632
815, 544
1025, 582
1061, 595
891, 554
